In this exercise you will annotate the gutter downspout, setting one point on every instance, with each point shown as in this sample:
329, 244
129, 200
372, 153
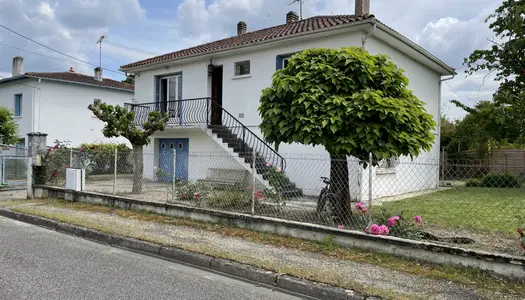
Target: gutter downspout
441, 80
368, 34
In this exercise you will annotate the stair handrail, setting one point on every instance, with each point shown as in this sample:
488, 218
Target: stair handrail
153, 106
283, 161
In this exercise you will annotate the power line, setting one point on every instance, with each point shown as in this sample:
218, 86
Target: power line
52, 49
29, 51
461, 98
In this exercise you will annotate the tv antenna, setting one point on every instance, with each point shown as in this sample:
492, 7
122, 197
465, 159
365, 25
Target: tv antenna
100, 50
300, 7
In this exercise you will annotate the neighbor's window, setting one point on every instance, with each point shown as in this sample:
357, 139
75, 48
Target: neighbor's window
242, 68
18, 105
388, 165
96, 102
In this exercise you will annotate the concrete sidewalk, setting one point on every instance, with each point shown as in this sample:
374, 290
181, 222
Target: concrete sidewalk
366, 278
13, 195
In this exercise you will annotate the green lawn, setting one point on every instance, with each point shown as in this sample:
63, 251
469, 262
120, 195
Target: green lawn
492, 209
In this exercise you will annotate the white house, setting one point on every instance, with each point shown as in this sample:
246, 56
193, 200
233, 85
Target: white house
211, 93
56, 103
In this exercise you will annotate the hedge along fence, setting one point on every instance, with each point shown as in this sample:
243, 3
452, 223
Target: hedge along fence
101, 158
96, 159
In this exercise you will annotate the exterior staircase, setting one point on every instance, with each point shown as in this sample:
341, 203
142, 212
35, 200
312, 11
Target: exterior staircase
280, 182
228, 131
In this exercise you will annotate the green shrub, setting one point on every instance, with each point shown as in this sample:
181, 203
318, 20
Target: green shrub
473, 183
101, 158
500, 180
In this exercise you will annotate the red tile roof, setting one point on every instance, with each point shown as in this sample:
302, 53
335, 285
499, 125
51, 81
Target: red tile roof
82, 79
303, 26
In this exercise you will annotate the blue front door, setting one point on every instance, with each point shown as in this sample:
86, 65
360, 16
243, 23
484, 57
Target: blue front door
168, 149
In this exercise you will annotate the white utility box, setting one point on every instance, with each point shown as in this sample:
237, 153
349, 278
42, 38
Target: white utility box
75, 179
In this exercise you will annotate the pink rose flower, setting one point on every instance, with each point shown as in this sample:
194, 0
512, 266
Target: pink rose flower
268, 164
384, 230
197, 195
364, 210
392, 221
359, 205
375, 229
278, 169
341, 227
418, 219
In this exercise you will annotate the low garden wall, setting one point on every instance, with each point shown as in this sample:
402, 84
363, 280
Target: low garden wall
507, 265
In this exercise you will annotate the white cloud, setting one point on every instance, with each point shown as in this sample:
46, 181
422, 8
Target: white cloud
46, 10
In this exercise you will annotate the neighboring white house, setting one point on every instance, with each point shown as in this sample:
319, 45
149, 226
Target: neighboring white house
234, 70
56, 103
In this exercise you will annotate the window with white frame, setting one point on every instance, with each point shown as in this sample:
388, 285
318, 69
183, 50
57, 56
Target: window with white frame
285, 62
18, 105
388, 165
242, 68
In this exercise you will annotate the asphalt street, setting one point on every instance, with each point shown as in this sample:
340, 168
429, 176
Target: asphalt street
36, 263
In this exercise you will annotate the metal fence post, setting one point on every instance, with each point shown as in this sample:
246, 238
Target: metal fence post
370, 186
174, 175
254, 171
115, 172
442, 164
71, 157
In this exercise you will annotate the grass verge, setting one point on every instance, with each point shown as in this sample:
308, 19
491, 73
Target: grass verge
491, 209
476, 279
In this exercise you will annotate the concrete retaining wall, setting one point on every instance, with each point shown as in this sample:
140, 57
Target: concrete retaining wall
507, 265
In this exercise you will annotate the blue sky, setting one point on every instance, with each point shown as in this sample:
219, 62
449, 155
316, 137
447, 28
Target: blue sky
138, 29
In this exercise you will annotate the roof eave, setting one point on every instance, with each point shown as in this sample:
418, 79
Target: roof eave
447, 70
236, 48
81, 83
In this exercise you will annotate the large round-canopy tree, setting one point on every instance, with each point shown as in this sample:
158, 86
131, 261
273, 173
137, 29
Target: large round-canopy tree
349, 101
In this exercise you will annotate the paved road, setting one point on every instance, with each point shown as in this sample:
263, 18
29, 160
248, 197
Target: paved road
36, 263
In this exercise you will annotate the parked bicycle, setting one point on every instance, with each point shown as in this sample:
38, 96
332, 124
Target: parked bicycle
325, 196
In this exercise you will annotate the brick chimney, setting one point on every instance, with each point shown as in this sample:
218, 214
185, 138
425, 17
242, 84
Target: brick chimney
18, 66
98, 74
362, 7
241, 28
292, 17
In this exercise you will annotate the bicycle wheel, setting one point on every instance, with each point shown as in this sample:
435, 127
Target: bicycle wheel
321, 202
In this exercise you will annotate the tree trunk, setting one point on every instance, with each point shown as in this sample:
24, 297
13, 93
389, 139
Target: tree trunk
138, 169
340, 187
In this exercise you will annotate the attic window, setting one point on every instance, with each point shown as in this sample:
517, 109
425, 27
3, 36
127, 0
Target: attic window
242, 68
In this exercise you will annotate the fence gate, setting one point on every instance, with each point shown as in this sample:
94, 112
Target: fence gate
13, 170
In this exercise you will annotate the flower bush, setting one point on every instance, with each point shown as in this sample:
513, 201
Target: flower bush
386, 223
55, 162
192, 191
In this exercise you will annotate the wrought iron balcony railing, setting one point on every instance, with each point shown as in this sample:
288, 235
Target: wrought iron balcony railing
208, 112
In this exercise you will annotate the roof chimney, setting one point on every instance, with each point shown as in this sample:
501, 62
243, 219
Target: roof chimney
241, 28
362, 7
71, 70
18, 66
98, 74
292, 17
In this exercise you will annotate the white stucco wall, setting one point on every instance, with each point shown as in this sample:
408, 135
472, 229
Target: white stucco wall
204, 153
7, 99
305, 164
64, 115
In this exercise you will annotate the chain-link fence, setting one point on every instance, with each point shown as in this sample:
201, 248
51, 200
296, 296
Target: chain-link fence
451, 202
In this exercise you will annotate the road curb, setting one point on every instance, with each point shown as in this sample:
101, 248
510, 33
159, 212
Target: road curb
247, 272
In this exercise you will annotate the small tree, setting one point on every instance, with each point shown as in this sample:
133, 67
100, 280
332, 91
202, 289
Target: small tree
121, 122
8, 127
352, 103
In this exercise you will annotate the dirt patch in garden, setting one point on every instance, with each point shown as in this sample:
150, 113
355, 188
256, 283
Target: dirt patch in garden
498, 242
